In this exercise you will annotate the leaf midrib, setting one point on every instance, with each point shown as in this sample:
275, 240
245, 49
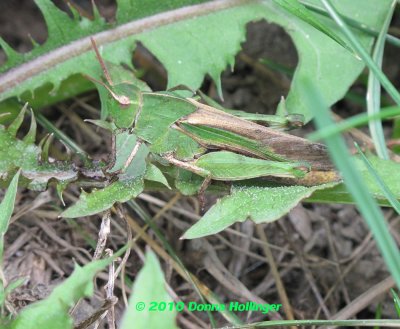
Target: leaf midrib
45, 62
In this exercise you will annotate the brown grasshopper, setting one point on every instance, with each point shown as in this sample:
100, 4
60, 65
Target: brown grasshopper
229, 147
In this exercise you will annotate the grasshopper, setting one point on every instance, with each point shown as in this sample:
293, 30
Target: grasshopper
213, 143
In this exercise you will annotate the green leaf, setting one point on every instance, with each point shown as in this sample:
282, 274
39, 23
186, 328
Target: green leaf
7, 204
385, 190
6, 210
52, 312
100, 200
154, 174
196, 47
129, 10
32, 165
150, 288
323, 60
388, 171
260, 204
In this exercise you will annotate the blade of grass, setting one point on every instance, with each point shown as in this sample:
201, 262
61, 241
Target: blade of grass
353, 23
362, 52
396, 301
354, 183
311, 323
354, 121
46, 124
300, 11
385, 189
374, 88
378, 314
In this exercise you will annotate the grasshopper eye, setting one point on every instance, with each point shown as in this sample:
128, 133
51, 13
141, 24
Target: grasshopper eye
122, 99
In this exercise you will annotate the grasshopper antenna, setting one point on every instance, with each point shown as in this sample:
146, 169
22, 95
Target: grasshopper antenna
122, 99
102, 64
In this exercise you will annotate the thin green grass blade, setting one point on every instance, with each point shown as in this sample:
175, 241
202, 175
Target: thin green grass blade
46, 124
354, 121
300, 11
378, 314
352, 39
354, 183
353, 23
374, 89
313, 323
385, 189
396, 301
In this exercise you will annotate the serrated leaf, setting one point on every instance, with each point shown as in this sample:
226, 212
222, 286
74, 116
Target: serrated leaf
260, 204
196, 46
62, 30
31, 135
322, 59
52, 312
149, 287
100, 200
39, 173
128, 10
16, 124
201, 53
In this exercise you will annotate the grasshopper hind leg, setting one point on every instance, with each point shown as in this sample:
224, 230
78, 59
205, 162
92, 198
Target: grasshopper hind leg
196, 170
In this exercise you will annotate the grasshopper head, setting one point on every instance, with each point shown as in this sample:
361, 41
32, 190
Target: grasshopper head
120, 82
304, 167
